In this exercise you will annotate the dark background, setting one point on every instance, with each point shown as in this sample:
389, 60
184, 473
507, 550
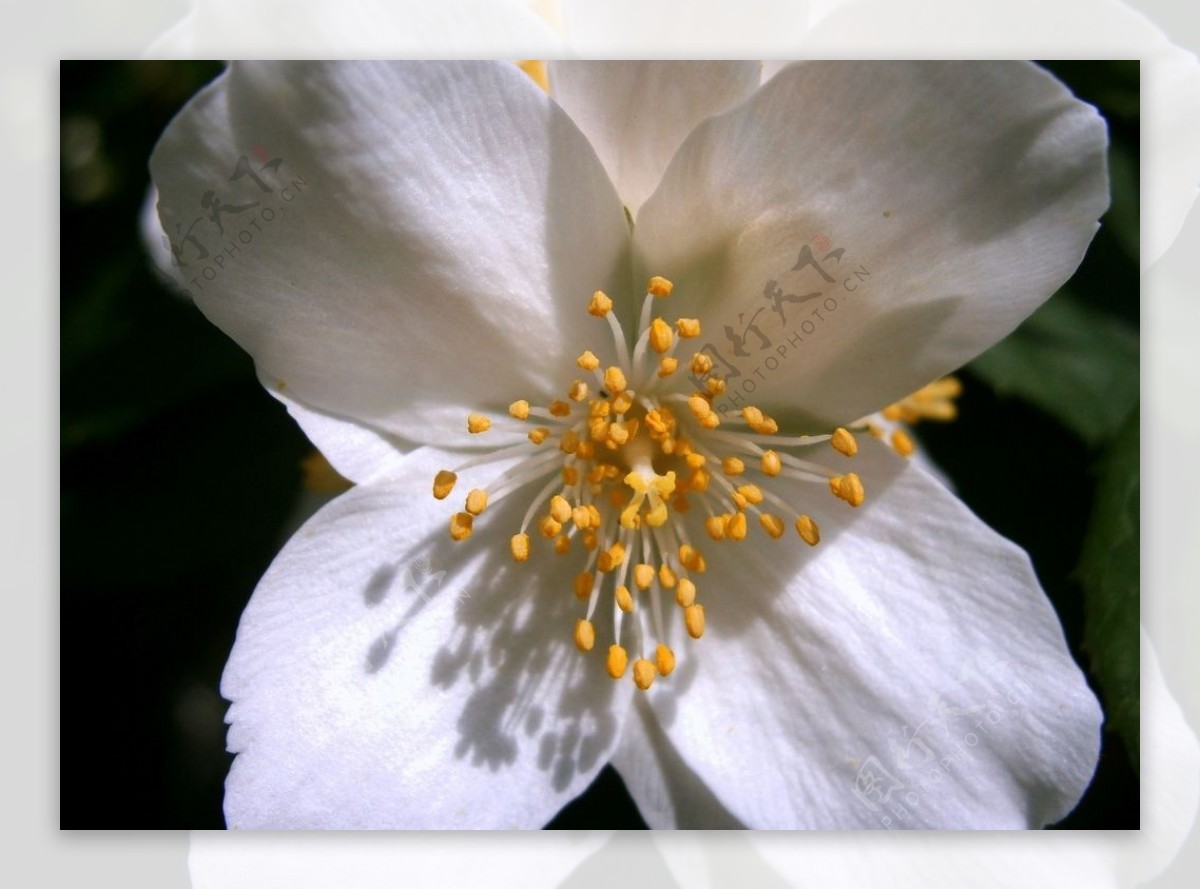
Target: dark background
179, 473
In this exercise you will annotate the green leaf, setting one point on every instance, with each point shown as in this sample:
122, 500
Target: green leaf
1076, 362
1108, 571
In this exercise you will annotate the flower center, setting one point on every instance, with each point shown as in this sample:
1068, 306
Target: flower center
624, 462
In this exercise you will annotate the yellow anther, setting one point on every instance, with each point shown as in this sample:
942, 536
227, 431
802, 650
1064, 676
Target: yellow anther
569, 442
616, 661
594, 512
643, 576
700, 406
666, 577
588, 360
476, 501
659, 286
585, 635
538, 435
578, 391
599, 305
691, 558
586, 450
702, 363
715, 386
759, 422
581, 517
583, 585
590, 540
664, 659
477, 423
520, 547
560, 509
549, 526
693, 619
903, 443
614, 381
570, 475
808, 530
624, 599
695, 461
848, 488
711, 422
599, 408
715, 526
667, 365
771, 464
559, 408
460, 526
732, 466
618, 433
843, 440
643, 674
685, 592
611, 558
621, 403
660, 336
893, 412
688, 327
535, 70
562, 544
698, 481
443, 484
751, 493
772, 524
735, 527
875, 430
519, 409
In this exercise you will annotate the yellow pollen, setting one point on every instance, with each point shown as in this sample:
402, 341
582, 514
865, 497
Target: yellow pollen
590, 541
560, 509
520, 547
621, 403
701, 364
599, 408
614, 381
477, 423
583, 585
903, 443
581, 517
562, 544
772, 524
476, 501
618, 433
569, 442
700, 406
643, 576
578, 391
759, 422
660, 336
460, 526
643, 674
771, 464
443, 484
588, 361
807, 529
659, 286
715, 386
624, 599
751, 493
693, 619
667, 365
695, 461
685, 592
549, 527
519, 409
715, 526
691, 558
735, 527
733, 466
570, 475
687, 327
698, 481
559, 408
616, 661
664, 659
600, 305
611, 558
585, 635
585, 450
843, 440
538, 435
848, 488
665, 576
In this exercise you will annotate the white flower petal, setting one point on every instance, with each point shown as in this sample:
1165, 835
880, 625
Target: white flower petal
439, 219
463, 29
636, 114
667, 793
386, 677
963, 195
907, 672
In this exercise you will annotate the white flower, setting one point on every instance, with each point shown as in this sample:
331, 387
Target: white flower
430, 239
